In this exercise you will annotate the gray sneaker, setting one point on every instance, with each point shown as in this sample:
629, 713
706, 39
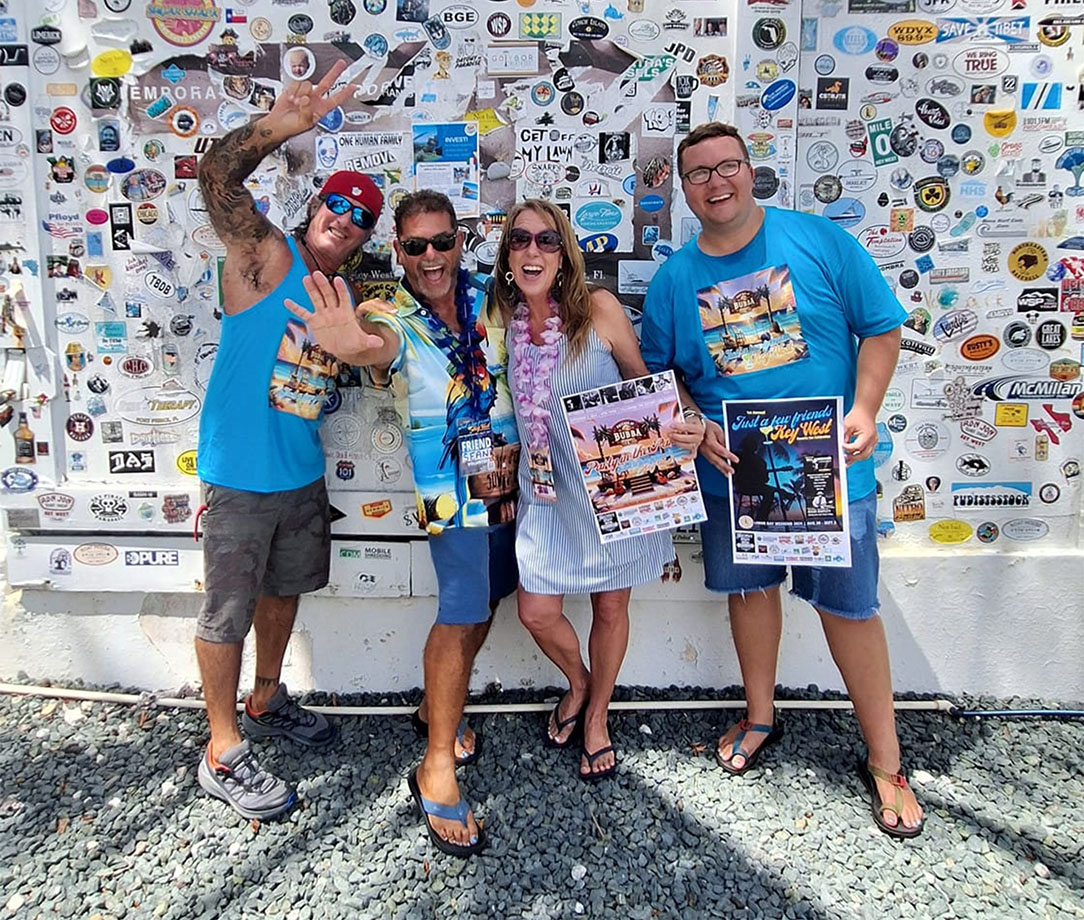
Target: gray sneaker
284, 717
239, 780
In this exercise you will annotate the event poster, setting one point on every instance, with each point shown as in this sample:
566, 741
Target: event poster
788, 494
446, 160
637, 480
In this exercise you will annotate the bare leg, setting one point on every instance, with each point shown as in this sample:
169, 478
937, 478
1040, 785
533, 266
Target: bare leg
449, 655
756, 622
220, 671
860, 651
606, 646
274, 622
467, 746
543, 615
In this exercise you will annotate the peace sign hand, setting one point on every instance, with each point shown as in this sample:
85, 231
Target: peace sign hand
301, 105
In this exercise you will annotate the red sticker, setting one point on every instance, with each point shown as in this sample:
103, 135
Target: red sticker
63, 120
97, 216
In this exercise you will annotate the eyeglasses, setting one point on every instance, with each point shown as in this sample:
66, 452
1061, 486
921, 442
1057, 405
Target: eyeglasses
546, 240
442, 242
362, 217
701, 174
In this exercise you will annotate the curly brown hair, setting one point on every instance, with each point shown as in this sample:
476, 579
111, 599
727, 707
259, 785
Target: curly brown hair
571, 291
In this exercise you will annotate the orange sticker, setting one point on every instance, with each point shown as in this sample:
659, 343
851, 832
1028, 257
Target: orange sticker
376, 509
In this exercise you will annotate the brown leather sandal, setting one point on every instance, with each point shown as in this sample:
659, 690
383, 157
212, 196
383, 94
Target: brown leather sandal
869, 776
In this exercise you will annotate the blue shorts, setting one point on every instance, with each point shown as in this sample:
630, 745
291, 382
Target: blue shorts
466, 584
850, 593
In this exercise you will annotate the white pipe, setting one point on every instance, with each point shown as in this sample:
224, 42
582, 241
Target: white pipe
149, 699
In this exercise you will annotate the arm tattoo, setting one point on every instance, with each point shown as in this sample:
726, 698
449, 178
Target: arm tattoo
222, 174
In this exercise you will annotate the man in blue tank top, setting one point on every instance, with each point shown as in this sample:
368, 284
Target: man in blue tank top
831, 327
267, 531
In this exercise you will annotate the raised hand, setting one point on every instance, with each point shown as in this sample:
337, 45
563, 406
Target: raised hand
301, 105
332, 323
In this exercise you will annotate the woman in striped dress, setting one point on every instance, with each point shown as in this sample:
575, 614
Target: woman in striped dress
563, 338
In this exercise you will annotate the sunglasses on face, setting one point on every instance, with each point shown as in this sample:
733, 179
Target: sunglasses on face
361, 217
546, 240
417, 245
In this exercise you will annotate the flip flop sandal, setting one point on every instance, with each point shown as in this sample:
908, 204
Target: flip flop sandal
869, 776
575, 720
457, 812
594, 777
421, 729
745, 727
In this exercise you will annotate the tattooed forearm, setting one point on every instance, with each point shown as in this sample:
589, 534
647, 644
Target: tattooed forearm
222, 174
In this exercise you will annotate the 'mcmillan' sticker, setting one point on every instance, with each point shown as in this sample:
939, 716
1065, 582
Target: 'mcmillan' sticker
1010, 388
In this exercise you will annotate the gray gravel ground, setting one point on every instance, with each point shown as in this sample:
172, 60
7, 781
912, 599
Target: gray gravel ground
101, 817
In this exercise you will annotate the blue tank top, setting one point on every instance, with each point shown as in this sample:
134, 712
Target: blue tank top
265, 400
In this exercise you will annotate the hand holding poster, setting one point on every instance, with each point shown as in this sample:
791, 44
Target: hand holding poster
638, 481
788, 494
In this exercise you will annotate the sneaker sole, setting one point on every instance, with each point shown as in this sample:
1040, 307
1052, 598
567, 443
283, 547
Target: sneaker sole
213, 789
254, 729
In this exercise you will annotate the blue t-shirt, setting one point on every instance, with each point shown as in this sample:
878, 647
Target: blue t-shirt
780, 317
265, 400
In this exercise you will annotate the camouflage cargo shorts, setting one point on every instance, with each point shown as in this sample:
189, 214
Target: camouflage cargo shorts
275, 543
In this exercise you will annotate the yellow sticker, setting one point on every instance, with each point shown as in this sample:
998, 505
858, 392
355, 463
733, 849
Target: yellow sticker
912, 32
488, 120
950, 532
1011, 415
1000, 123
186, 463
99, 275
1028, 261
113, 63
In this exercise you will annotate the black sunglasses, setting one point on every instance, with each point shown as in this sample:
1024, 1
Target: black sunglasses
546, 240
417, 245
362, 217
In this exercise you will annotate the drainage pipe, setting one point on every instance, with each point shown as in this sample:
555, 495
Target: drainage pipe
149, 699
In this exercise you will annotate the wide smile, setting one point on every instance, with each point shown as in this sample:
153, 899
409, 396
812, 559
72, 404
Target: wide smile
719, 199
531, 272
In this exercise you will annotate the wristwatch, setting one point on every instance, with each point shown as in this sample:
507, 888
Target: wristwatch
692, 413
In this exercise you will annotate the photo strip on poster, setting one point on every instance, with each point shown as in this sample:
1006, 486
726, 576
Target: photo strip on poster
788, 493
637, 479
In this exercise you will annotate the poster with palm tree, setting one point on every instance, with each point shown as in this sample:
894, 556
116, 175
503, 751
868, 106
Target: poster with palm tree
751, 323
301, 377
788, 493
637, 479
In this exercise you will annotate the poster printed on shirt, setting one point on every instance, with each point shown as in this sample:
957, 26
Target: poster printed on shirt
637, 479
446, 159
301, 377
788, 494
751, 323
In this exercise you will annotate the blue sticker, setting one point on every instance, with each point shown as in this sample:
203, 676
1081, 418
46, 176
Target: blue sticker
376, 44
598, 242
982, 210
778, 94
855, 40
924, 264
94, 244
884, 447
628, 184
333, 120
961, 133
120, 165
598, 216
652, 202
845, 212
174, 74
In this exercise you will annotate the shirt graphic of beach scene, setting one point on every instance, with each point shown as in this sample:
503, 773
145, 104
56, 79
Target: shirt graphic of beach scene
751, 323
301, 377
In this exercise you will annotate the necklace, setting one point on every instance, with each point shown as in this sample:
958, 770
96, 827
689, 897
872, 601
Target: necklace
531, 380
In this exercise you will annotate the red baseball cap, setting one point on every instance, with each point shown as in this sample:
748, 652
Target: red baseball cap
357, 186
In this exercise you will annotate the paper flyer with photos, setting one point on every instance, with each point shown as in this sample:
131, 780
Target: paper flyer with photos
788, 494
637, 480
446, 159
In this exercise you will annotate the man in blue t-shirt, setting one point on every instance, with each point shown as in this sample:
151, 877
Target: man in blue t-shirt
831, 327
266, 518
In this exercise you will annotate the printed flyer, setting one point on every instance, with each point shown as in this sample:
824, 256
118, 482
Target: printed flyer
788, 494
637, 480
446, 159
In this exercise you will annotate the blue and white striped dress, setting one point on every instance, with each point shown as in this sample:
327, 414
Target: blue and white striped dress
557, 545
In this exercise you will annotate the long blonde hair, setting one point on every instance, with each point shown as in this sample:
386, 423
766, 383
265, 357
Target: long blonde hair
570, 291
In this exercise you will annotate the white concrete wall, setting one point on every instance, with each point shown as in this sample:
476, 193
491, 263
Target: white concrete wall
1004, 625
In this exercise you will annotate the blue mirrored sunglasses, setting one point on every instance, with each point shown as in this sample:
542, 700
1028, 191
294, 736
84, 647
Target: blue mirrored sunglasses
362, 217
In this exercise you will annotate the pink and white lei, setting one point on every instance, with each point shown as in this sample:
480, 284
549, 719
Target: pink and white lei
531, 380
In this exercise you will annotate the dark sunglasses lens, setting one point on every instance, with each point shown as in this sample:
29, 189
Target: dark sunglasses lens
518, 239
548, 240
337, 204
413, 246
363, 218
442, 242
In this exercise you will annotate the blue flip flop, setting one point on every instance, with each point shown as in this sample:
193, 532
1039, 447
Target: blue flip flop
421, 729
457, 812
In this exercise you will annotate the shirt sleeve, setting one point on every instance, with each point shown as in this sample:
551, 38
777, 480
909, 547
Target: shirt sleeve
393, 323
657, 325
868, 302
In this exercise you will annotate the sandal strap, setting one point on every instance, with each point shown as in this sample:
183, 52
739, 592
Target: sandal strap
591, 758
744, 728
562, 724
898, 782
457, 812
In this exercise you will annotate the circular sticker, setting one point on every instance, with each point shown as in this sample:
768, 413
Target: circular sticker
928, 440
183, 121
260, 28
987, 532
1016, 334
827, 189
769, 33
1050, 335
63, 120
79, 426
1049, 492
1028, 261
387, 438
